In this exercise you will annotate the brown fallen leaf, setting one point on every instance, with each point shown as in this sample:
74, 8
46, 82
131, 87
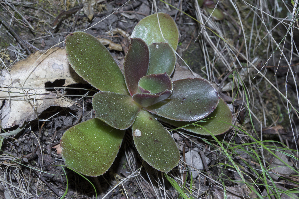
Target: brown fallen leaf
88, 7
182, 72
275, 130
58, 149
64, 14
284, 136
125, 43
111, 45
118, 31
23, 93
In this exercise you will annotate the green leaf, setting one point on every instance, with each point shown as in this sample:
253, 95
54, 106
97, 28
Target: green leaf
218, 122
149, 29
200, 2
162, 59
216, 13
155, 83
117, 110
93, 62
154, 88
136, 64
177, 187
154, 143
191, 100
91, 147
146, 99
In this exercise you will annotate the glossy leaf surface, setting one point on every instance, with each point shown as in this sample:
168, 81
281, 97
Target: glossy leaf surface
162, 59
146, 99
155, 83
157, 28
136, 64
191, 100
154, 143
93, 62
218, 122
117, 110
91, 147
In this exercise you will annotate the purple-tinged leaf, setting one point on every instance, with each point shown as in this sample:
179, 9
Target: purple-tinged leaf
155, 83
209, 4
93, 62
136, 64
157, 28
218, 122
141, 90
154, 143
91, 147
162, 59
119, 111
145, 99
191, 100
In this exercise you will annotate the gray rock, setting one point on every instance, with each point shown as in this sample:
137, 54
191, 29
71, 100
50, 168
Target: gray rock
279, 167
194, 160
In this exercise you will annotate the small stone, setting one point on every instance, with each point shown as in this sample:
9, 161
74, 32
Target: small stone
176, 136
194, 160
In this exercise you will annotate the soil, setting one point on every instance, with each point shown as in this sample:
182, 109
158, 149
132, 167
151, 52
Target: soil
30, 166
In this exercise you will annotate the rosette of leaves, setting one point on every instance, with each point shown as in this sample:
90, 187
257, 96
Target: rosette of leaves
134, 99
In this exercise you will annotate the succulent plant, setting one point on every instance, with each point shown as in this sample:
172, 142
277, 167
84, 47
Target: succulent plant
135, 100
